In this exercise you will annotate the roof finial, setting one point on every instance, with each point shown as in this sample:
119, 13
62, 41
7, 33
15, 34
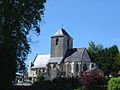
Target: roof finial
62, 26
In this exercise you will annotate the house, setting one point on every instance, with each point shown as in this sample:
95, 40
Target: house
63, 60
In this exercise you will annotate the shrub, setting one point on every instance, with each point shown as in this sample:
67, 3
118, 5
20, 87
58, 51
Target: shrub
80, 89
39, 78
62, 83
91, 79
114, 84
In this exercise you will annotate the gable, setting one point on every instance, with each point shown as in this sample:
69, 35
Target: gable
86, 56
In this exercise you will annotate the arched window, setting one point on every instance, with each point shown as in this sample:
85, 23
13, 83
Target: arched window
77, 67
84, 67
69, 68
57, 40
92, 66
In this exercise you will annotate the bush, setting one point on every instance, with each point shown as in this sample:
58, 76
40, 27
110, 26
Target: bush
59, 83
92, 79
62, 83
114, 84
39, 78
80, 89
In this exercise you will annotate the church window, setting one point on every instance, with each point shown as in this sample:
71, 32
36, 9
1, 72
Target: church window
84, 67
69, 68
92, 66
57, 40
77, 67
68, 42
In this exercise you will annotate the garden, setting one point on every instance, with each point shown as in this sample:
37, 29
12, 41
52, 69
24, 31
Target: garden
86, 81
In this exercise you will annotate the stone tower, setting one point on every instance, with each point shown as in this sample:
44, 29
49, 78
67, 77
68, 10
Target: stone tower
60, 42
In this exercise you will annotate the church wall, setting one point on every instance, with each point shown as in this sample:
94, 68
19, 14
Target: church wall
74, 68
32, 73
59, 45
67, 44
87, 63
54, 70
57, 50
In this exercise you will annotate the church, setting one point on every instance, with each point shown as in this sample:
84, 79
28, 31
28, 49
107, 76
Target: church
63, 60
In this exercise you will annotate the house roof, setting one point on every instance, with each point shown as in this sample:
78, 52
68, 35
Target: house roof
76, 54
61, 32
41, 61
55, 60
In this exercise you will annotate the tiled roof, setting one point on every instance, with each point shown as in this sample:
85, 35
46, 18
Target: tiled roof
61, 32
76, 54
55, 60
40, 61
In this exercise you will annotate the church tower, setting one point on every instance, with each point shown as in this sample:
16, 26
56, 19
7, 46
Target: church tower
60, 42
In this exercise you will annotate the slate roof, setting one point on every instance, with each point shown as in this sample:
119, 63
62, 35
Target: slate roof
40, 61
76, 54
55, 60
61, 32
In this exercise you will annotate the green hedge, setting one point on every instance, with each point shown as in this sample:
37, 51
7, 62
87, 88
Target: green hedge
114, 84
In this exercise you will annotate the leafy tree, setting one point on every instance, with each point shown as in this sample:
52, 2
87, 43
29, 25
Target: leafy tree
93, 48
118, 59
105, 58
92, 79
17, 18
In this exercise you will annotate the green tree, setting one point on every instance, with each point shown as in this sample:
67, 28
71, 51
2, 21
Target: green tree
17, 18
93, 48
105, 58
118, 59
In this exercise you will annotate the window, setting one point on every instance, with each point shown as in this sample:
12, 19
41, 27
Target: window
92, 66
69, 68
68, 42
77, 67
57, 40
84, 67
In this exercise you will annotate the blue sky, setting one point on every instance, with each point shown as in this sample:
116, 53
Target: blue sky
84, 20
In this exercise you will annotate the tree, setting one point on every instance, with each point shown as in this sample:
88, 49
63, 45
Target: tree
105, 58
17, 18
93, 48
118, 59
92, 79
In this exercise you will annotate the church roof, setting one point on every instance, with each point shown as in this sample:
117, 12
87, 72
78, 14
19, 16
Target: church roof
55, 60
40, 61
61, 32
76, 54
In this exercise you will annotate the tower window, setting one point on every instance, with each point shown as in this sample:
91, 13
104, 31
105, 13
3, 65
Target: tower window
57, 40
68, 42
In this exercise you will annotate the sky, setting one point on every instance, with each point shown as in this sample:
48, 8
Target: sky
84, 20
